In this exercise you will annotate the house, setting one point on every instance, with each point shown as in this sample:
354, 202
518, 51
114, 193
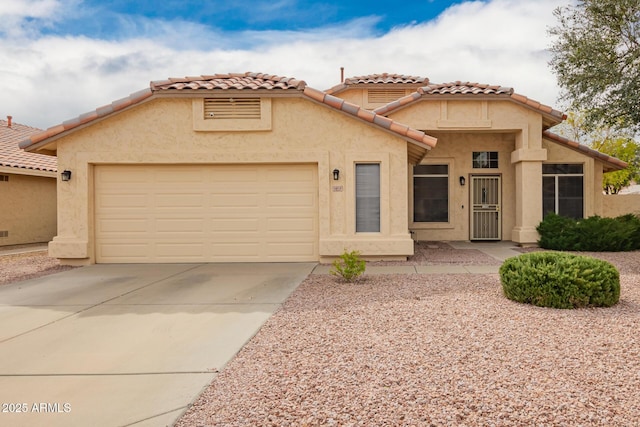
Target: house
27, 189
256, 167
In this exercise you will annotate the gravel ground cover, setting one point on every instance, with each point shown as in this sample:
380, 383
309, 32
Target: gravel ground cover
24, 266
433, 350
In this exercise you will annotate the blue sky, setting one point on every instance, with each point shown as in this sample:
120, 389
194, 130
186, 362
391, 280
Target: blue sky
116, 18
61, 58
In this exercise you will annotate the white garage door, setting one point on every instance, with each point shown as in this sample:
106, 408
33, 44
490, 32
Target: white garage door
234, 213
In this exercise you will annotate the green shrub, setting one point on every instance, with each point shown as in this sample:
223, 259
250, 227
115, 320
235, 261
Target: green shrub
593, 234
560, 280
351, 266
557, 232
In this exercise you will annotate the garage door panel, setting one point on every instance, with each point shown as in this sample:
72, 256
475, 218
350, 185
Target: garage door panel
235, 225
173, 200
136, 252
235, 200
183, 225
106, 201
290, 225
206, 213
122, 225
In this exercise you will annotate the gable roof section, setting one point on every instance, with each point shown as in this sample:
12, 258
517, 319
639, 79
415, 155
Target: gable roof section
610, 163
468, 89
420, 142
384, 79
12, 156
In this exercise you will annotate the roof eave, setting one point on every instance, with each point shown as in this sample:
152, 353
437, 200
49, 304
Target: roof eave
44, 142
610, 163
420, 141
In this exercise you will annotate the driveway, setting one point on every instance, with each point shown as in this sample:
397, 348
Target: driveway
120, 345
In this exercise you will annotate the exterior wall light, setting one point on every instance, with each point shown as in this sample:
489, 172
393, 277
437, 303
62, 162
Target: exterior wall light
462, 181
66, 175
336, 174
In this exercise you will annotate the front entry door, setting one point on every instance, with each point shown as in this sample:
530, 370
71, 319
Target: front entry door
486, 219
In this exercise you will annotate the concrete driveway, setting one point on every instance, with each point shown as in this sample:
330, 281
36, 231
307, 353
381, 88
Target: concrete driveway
121, 345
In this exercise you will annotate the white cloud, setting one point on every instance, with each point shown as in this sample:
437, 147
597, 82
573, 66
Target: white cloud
46, 80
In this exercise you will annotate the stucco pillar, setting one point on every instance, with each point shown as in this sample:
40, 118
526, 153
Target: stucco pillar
528, 194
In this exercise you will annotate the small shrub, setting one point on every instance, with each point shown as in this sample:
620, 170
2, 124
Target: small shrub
560, 280
350, 268
593, 234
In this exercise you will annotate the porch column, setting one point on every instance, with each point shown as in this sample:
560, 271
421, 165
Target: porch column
528, 194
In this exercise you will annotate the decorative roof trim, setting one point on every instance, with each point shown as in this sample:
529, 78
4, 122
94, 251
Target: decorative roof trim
611, 163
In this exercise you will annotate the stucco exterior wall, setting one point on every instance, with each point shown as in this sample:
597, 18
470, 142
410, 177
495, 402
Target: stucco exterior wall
455, 149
160, 131
620, 204
592, 175
521, 158
30, 216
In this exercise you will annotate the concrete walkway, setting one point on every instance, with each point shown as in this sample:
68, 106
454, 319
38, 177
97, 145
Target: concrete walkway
128, 345
498, 250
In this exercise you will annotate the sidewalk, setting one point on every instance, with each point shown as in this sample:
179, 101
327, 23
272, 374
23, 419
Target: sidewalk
497, 250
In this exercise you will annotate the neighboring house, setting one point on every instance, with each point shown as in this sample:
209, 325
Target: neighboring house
27, 189
255, 167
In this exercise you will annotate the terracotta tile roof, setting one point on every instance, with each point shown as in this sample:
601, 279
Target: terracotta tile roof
12, 156
247, 81
610, 163
421, 141
401, 80
459, 88
242, 81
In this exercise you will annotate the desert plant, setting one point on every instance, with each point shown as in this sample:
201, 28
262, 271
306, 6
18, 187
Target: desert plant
350, 266
560, 280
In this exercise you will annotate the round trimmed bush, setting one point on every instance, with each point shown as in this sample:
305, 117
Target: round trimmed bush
560, 280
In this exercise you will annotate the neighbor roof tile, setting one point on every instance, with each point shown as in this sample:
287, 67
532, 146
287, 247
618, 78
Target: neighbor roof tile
12, 156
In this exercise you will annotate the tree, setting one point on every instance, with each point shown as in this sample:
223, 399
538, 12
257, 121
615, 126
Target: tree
596, 57
625, 149
614, 142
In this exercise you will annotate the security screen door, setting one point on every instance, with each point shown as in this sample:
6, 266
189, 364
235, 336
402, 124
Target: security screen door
486, 219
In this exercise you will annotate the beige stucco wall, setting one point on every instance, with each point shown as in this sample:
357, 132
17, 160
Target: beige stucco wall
29, 209
455, 150
161, 132
498, 125
620, 204
592, 174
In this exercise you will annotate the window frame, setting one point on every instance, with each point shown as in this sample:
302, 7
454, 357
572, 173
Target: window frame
358, 206
557, 175
491, 162
446, 176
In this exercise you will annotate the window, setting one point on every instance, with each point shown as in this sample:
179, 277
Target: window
431, 193
485, 160
562, 189
367, 198
4, 177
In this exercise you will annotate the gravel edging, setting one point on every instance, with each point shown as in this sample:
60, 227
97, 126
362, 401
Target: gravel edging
432, 350
28, 265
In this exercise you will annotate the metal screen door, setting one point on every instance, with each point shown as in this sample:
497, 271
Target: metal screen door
486, 220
